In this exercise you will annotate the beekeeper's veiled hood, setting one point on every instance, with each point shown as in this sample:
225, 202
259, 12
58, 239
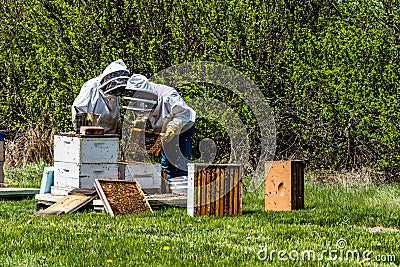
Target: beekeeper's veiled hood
114, 78
141, 94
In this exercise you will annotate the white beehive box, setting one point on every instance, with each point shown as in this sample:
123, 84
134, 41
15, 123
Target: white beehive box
147, 174
85, 149
78, 161
82, 176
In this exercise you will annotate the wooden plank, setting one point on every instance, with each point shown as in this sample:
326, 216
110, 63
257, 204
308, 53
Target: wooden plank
232, 195
83, 191
239, 189
91, 130
68, 204
212, 192
9, 192
164, 182
222, 192
235, 191
203, 192
227, 190
217, 191
122, 197
207, 192
48, 198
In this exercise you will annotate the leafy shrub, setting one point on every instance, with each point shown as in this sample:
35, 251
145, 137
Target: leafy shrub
331, 67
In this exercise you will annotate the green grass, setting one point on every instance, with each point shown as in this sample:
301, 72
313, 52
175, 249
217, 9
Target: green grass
169, 237
28, 176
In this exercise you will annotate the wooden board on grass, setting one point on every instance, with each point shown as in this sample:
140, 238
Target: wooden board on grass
122, 197
68, 204
13, 192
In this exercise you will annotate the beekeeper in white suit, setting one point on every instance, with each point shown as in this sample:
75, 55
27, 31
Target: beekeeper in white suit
168, 114
101, 95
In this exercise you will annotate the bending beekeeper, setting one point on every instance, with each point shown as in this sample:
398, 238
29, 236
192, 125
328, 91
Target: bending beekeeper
168, 114
101, 95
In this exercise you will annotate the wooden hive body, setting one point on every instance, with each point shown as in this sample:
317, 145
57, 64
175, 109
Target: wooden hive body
214, 189
284, 185
79, 160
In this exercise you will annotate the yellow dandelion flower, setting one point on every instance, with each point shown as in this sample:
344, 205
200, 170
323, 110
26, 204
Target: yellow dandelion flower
78, 233
19, 226
324, 238
109, 260
52, 224
152, 245
147, 251
165, 248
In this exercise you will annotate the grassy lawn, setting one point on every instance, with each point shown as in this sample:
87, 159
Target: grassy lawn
334, 225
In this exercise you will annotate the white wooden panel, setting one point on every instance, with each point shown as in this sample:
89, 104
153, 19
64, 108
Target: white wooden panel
60, 191
190, 192
86, 150
148, 175
67, 149
95, 171
82, 176
66, 169
99, 150
60, 181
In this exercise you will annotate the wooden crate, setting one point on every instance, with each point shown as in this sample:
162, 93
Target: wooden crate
214, 189
284, 185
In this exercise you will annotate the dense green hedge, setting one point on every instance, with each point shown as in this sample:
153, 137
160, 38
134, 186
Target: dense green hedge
330, 67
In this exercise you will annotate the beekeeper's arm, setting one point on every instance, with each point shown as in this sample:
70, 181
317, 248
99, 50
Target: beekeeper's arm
83, 100
182, 116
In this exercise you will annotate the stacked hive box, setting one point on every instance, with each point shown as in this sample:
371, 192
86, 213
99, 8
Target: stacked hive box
79, 160
214, 189
148, 175
284, 185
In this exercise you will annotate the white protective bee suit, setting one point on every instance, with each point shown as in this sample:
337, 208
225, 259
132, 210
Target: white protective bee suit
168, 112
102, 97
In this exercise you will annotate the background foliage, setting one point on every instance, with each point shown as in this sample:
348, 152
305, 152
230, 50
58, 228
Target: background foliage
330, 68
